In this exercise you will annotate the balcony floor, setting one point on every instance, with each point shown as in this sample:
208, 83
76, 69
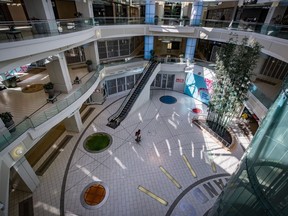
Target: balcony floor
26, 104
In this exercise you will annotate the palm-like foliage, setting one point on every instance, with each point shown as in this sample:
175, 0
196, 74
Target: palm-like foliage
234, 65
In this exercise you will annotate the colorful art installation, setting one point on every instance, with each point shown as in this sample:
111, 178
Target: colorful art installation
198, 87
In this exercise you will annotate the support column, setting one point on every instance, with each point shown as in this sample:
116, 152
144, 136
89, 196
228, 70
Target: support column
74, 123
149, 19
259, 66
190, 49
148, 46
150, 11
195, 19
43, 10
91, 53
274, 16
27, 174
4, 187
40, 9
196, 13
85, 8
159, 11
59, 74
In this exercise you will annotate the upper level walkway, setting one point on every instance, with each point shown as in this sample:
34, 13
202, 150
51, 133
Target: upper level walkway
12, 31
55, 36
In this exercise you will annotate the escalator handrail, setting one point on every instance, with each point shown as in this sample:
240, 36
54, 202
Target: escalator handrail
138, 86
117, 113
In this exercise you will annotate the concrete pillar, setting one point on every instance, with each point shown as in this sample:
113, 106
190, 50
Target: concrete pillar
274, 16
4, 187
149, 19
275, 11
43, 10
195, 19
148, 46
159, 10
259, 66
91, 53
190, 49
85, 8
149, 11
27, 174
196, 13
59, 74
74, 122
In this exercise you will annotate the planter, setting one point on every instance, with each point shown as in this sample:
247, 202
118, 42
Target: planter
10, 126
89, 68
51, 92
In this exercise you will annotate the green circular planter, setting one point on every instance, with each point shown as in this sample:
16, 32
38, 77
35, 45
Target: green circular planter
97, 142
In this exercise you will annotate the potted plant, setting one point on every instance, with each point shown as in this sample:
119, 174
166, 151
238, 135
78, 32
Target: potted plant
49, 88
7, 119
89, 65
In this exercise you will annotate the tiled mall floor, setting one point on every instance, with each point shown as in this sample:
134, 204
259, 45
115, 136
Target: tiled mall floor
169, 142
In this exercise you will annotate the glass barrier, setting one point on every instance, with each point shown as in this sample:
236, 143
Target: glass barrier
24, 30
267, 102
39, 118
275, 30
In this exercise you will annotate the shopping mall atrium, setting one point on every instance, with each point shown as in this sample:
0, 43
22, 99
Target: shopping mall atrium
104, 107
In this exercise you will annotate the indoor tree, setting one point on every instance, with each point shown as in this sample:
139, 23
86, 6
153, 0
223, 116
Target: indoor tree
234, 65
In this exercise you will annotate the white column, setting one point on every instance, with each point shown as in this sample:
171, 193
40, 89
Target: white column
85, 8
91, 53
4, 187
27, 174
59, 74
275, 11
41, 9
74, 122
259, 65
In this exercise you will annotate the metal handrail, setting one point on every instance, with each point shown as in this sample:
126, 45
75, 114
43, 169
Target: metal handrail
115, 115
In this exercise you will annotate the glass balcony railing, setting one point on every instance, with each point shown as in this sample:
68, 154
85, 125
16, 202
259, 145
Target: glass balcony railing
275, 30
20, 30
39, 118
267, 102
26, 30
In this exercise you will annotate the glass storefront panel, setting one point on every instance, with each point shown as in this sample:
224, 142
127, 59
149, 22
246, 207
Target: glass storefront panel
102, 50
113, 49
164, 79
158, 80
111, 85
124, 47
121, 84
170, 81
130, 82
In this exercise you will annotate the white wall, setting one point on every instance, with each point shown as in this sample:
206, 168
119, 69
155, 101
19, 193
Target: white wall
145, 93
179, 82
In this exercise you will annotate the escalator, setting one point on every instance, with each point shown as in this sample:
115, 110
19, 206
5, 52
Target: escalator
115, 120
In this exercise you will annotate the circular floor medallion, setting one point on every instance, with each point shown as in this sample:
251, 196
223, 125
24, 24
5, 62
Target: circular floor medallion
167, 99
97, 142
94, 195
196, 110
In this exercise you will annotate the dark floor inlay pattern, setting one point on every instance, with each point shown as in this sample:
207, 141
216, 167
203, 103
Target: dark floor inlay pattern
26, 207
46, 164
87, 114
168, 99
